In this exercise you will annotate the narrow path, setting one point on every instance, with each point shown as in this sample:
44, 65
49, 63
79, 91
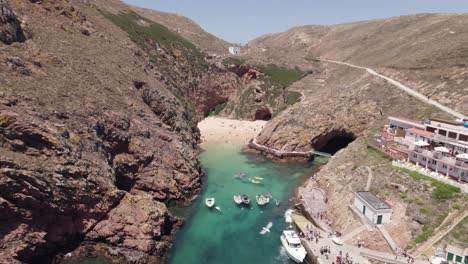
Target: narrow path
369, 178
439, 235
404, 88
353, 233
393, 245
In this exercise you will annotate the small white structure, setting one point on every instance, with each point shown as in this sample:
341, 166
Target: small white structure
457, 255
376, 210
235, 50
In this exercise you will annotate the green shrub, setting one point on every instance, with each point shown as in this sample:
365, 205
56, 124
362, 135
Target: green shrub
456, 206
441, 191
236, 61
218, 109
378, 153
282, 75
427, 232
293, 97
424, 211
147, 36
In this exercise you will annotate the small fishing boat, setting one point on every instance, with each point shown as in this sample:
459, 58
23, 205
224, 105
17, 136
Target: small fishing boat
259, 178
262, 200
238, 199
245, 199
277, 202
218, 208
254, 181
210, 202
239, 175
294, 249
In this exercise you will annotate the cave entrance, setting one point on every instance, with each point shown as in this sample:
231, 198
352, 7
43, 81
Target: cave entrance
263, 114
333, 141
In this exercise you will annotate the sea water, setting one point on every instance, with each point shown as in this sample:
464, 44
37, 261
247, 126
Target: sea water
232, 235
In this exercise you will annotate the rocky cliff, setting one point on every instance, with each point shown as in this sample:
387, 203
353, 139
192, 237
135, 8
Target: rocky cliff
98, 131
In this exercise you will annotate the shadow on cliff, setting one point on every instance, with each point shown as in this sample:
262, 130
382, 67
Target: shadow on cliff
333, 141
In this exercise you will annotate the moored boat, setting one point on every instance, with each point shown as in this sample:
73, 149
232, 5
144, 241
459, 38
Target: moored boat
210, 202
238, 199
292, 244
262, 200
245, 199
277, 202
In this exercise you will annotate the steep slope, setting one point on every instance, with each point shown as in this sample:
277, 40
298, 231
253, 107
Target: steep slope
180, 24
98, 131
424, 51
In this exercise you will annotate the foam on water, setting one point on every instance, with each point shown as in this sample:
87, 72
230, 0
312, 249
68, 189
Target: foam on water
287, 216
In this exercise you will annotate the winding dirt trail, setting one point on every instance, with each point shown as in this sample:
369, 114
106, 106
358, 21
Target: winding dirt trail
402, 87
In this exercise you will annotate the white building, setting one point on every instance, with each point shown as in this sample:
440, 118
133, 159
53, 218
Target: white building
376, 210
457, 255
235, 50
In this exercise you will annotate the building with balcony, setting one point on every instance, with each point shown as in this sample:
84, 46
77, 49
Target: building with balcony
436, 145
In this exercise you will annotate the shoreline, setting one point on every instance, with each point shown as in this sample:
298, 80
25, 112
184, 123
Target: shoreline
220, 130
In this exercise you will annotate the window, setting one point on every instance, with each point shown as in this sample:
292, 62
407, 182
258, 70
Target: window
463, 137
458, 259
452, 135
415, 156
430, 129
424, 159
444, 166
442, 132
450, 256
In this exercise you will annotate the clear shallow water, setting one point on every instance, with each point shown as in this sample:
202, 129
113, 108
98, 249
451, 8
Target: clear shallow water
232, 236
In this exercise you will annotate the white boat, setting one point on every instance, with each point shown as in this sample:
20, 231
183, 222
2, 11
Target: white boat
210, 202
294, 249
218, 208
277, 202
237, 199
262, 200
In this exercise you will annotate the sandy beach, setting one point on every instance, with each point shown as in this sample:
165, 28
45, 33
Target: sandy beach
223, 130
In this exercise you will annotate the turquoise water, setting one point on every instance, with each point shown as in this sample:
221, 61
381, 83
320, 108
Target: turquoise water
232, 235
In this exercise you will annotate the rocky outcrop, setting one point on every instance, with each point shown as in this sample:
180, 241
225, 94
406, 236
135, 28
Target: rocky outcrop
10, 27
137, 230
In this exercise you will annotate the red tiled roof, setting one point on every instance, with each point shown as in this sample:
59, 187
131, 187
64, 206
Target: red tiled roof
420, 132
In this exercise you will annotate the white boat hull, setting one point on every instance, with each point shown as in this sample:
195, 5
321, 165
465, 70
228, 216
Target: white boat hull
298, 258
210, 202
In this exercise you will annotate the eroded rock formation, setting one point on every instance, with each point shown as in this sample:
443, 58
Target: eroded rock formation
10, 27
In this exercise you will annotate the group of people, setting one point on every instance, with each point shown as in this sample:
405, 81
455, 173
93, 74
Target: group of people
343, 260
325, 250
312, 234
409, 258
322, 216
